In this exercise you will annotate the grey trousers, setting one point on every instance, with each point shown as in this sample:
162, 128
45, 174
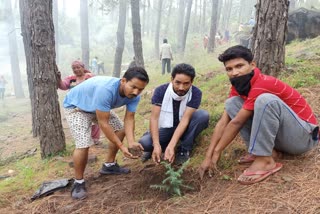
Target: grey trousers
274, 126
164, 63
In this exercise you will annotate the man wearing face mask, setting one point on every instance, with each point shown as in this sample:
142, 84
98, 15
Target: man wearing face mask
175, 117
270, 115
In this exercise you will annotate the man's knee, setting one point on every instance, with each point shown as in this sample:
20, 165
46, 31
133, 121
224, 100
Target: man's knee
233, 105
202, 116
265, 99
146, 142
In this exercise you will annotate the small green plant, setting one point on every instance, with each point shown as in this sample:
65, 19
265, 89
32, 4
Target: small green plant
173, 183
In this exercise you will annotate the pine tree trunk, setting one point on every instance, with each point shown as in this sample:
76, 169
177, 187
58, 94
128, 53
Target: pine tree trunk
194, 23
56, 27
143, 26
158, 26
203, 22
166, 31
38, 38
120, 38
149, 19
214, 24
136, 30
13, 51
186, 26
269, 37
180, 24
84, 25
200, 16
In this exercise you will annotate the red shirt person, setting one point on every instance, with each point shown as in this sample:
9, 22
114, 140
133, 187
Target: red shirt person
271, 116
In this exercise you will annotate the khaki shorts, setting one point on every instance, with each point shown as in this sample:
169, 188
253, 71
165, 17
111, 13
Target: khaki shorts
80, 123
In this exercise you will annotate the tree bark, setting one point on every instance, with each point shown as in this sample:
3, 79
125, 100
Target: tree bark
158, 26
180, 24
269, 37
143, 26
120, 38
136, 31
186, 26
200, 16
214, 24
13, 51
149, 19
38, 38
166, 31
203, 22
56, 27
195, 24
84, 25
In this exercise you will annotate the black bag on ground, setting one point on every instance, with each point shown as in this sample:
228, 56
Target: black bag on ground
49, 187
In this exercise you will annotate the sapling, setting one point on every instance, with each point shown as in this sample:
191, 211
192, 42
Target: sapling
173, 183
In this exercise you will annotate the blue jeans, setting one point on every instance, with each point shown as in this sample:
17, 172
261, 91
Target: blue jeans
274, 125
199, 121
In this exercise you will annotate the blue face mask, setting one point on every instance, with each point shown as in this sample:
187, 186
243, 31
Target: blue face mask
242, 83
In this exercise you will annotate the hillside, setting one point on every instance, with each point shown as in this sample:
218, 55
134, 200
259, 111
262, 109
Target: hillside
294, 189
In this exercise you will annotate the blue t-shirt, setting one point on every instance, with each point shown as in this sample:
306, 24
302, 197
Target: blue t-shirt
99, 93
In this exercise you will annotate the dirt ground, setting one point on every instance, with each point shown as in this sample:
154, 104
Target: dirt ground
294, 189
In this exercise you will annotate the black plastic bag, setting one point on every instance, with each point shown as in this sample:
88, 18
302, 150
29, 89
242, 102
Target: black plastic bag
49, 187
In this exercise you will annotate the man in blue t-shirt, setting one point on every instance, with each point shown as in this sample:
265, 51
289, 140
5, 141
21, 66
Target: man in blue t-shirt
174, 118
92, 102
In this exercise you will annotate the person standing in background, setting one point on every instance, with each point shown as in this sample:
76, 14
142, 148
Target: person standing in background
94, 65
3, 83
166, 56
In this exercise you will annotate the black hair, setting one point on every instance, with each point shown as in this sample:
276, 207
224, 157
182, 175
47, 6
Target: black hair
136, 72
185, 69
165, 41
234, 52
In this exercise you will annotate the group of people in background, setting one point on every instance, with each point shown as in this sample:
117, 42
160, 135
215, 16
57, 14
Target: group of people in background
97, 66
219, 38
271, 117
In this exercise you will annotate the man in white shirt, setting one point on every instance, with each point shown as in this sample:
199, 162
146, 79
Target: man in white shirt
166, 56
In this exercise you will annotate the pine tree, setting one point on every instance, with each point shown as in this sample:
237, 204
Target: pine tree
173, 183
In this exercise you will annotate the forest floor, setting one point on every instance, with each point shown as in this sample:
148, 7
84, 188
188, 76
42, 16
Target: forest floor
294, 189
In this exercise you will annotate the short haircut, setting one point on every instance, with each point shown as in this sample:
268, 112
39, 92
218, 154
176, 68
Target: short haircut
165, 41
185, 69
136, 72
234, 52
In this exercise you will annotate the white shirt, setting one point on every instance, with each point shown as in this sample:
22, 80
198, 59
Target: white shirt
165, 52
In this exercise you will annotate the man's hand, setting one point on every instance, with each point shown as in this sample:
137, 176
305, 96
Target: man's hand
126, 152
169, 154
135, 149
156, 154
209, 164
206, 165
